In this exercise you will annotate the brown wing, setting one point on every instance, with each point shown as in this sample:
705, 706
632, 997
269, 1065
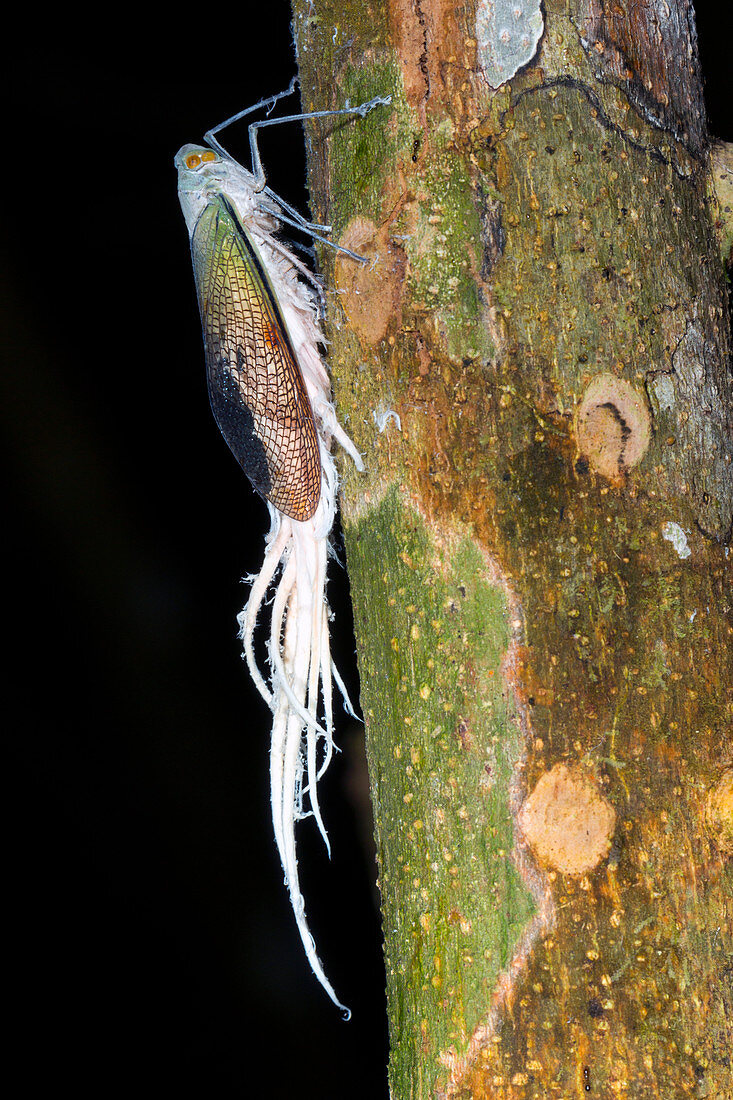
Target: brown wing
256, 388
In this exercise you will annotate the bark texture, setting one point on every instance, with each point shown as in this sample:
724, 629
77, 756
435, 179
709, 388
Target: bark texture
536, 365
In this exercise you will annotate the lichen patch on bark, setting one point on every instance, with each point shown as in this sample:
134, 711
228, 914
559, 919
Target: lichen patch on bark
567, 822
446, 712
507, 33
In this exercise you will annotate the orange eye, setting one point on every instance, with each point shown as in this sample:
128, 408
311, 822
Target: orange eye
193, 161
208, 156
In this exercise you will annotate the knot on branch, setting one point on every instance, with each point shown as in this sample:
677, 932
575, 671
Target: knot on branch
567, 822
613, 426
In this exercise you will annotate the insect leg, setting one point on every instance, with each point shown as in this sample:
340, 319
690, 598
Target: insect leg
258, 171
268, 103
299, 220
296, 219
306, 227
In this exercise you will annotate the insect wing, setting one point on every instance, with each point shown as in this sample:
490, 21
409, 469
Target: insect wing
256, 388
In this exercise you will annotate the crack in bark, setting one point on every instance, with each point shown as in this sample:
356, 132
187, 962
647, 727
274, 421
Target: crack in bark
602, 117
639, 97
423, 58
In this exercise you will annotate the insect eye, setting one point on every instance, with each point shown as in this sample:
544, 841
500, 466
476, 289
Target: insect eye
208, 156
193, 160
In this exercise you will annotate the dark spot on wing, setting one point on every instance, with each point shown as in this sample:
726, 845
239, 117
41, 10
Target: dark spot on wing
237, 426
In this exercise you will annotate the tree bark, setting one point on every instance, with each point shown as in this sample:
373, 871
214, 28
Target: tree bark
536, 365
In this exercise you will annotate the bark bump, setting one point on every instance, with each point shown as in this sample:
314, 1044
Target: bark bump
370, 293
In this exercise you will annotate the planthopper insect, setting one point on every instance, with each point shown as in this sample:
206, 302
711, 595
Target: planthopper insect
270, 393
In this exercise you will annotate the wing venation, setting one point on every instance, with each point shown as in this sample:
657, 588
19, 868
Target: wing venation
256, 388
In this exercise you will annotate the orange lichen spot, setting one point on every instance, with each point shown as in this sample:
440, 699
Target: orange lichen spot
612, 426
370, 293
567, 822
720, 812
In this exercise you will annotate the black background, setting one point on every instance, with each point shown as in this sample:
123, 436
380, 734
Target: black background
151, 942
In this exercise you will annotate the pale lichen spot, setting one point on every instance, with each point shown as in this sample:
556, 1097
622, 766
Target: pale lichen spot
507, 35
673, 533
567, 822
612, 426
661, 387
